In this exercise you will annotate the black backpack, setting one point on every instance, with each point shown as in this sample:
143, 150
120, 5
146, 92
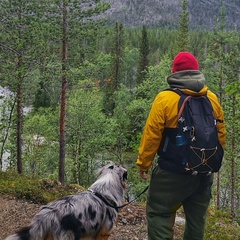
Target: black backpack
194, 146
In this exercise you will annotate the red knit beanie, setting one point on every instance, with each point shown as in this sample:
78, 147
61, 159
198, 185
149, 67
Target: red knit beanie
184, 61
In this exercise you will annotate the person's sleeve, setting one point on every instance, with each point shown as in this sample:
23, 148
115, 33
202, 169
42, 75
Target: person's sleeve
152, 136
218, 111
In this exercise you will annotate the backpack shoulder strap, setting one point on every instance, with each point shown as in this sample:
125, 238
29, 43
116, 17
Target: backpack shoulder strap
183, 99
183, 106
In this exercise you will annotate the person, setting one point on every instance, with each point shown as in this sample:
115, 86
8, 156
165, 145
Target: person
169, 190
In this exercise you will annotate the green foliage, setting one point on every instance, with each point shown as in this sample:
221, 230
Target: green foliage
211, 74
35, 190
121, 132
40, 137
97, 69
220, 225
108, 58
7, 106
182, 42
130, 59
136, 185
116, 70
143, 61
155, 81
222, 69
85, 132
137, 120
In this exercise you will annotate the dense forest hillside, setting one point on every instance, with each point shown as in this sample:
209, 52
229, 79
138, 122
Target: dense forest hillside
90, 86
165, 12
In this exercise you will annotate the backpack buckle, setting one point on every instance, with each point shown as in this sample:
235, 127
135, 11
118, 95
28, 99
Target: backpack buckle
194, 173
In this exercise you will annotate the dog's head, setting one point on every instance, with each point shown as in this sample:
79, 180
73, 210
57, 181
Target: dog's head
116, 169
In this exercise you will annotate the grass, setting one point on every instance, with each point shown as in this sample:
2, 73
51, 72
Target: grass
220, 225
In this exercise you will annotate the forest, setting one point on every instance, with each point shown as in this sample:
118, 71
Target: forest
88, 88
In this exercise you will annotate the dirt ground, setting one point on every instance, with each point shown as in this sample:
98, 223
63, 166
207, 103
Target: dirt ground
131, 223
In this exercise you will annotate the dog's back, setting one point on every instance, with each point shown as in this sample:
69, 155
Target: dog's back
79, 216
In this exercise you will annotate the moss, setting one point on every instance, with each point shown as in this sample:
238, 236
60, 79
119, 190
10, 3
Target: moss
34, 190
220, 225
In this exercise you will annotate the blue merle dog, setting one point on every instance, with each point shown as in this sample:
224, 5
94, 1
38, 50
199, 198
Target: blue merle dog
89, 215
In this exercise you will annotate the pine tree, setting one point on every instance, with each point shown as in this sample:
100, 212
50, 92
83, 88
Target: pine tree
224, 59
217, 51
34, 36
18, 54
143, 62
64, 62
232, 91
183, 42
117, 55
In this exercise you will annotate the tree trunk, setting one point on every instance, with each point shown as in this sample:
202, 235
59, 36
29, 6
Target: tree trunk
220, 100
233, 163
19, 99
63, 96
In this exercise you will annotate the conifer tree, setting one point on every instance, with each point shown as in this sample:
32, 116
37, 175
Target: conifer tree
183, 42
232, 89
18, 55
218, 54
31, 37
224, 59
98, 8
62, 127
117, 55
143, 62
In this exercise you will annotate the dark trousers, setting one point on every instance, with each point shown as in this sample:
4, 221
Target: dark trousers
169, 191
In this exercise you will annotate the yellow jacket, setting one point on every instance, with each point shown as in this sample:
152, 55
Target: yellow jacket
164, 113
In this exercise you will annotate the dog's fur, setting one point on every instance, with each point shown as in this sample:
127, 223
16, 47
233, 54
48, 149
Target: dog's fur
89, 215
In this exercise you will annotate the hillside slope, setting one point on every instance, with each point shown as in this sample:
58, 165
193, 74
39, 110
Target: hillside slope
202, 13
131, 223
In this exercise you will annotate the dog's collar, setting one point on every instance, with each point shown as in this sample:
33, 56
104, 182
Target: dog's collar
113, 204
109, 202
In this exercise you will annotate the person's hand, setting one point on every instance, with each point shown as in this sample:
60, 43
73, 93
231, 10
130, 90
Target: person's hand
143, 174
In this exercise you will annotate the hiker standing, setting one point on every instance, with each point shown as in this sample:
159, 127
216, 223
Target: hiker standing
184, 173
